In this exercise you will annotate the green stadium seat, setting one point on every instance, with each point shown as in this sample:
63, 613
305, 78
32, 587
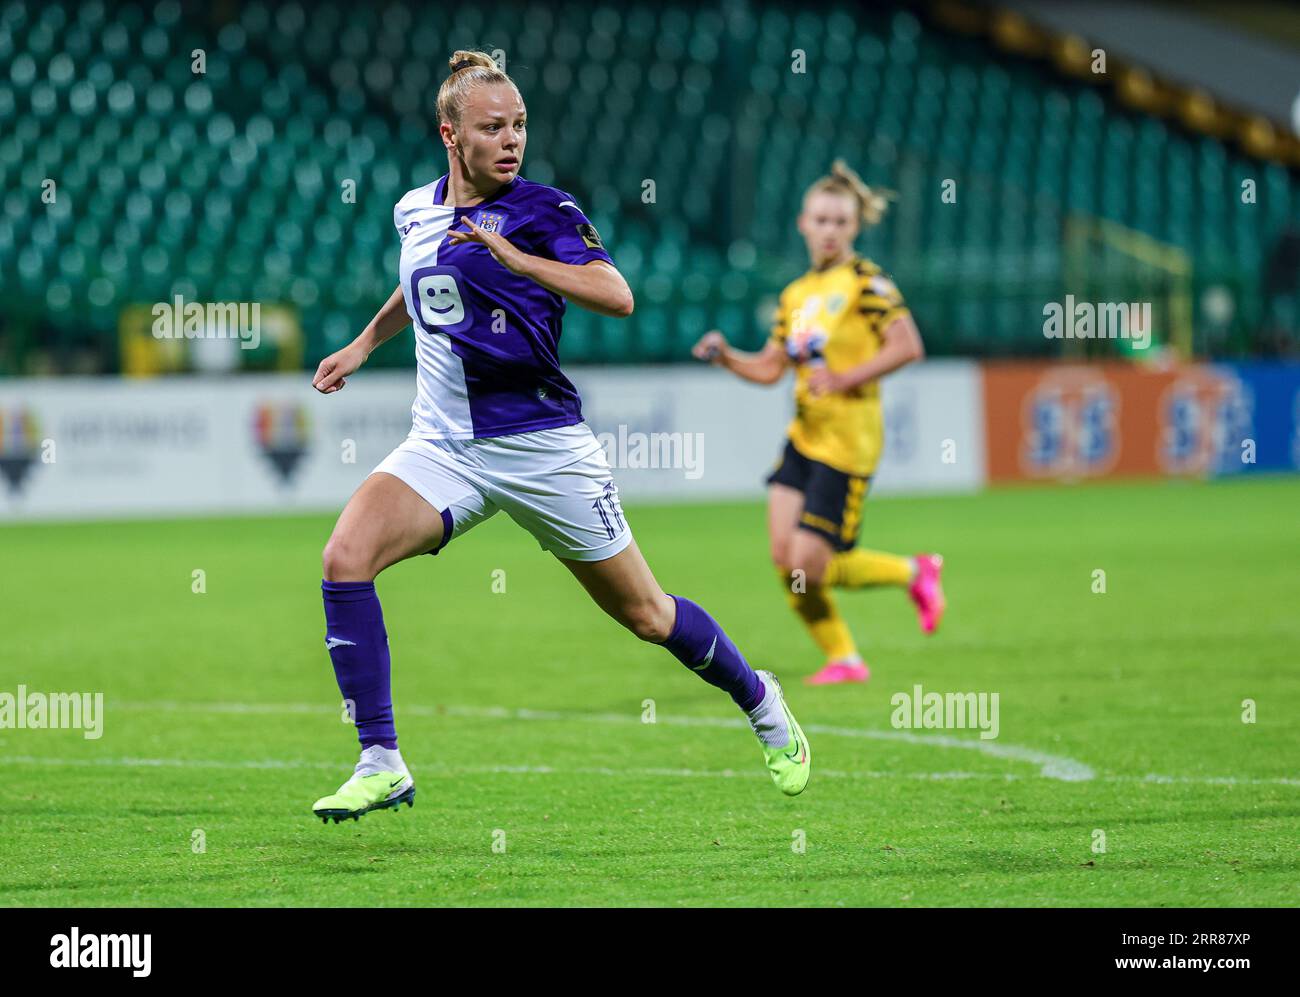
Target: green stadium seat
237, 174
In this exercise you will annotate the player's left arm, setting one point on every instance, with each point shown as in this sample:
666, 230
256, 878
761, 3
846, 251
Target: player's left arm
595, 285
900, 345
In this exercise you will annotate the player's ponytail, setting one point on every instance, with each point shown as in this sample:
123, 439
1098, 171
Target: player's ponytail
469, 69
872, 201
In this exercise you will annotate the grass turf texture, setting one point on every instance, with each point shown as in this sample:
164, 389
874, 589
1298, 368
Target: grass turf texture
596, 807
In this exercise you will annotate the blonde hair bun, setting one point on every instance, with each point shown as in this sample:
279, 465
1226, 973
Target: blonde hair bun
872, 202
470, 68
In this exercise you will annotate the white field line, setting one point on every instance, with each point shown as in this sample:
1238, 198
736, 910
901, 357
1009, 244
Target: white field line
656, 773
274, 763
1050, 766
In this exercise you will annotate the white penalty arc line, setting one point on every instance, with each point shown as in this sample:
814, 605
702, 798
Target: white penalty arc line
1049, 766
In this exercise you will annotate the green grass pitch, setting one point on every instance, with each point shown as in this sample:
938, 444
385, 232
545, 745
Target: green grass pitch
520, 714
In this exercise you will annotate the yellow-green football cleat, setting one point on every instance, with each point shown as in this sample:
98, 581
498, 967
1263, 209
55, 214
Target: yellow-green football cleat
369, 789
789, 764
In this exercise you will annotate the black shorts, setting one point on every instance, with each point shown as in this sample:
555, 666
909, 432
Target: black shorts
832, 500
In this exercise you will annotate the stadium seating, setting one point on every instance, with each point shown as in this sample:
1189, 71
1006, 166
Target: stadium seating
228, 185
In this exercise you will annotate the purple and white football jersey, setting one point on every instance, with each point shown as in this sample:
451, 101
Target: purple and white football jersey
487, 340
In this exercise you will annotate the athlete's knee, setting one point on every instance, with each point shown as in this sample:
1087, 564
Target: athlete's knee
650, 619
344, 560
814, 573
807, 566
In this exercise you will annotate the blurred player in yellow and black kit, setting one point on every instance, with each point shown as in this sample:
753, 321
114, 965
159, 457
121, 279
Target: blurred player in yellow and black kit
842, 326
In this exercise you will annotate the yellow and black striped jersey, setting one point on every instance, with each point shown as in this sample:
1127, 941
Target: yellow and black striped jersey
837, 318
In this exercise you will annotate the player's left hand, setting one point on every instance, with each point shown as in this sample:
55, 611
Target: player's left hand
498, 245
823, 381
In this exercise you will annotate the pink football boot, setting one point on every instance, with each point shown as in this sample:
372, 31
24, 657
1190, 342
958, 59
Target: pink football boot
926, 591
840, 670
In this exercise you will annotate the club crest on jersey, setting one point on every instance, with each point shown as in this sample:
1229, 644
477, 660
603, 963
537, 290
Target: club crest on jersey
834, 303
489, 221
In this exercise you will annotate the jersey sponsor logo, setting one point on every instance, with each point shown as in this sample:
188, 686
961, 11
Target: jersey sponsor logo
436, 296
806, 341
807, 345
590, 237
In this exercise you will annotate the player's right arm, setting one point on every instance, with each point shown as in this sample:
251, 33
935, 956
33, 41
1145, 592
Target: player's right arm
764, 367
391, 319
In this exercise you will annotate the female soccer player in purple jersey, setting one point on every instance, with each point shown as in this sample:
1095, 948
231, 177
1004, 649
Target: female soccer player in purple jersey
488, 260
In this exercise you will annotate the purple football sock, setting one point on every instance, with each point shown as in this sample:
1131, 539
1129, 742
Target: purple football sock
699, 643
358, 646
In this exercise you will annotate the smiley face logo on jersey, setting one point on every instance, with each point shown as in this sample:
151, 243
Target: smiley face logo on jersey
439, 302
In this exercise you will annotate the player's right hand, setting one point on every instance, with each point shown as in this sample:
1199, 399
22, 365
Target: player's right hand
333, 371
710, 347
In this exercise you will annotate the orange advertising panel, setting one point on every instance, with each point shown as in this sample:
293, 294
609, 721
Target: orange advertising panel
1069, 422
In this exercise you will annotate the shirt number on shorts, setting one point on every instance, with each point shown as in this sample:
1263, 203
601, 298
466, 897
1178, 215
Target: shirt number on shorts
437, 298
607, 507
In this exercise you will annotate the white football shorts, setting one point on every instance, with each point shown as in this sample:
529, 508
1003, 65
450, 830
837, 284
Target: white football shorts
555, 483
